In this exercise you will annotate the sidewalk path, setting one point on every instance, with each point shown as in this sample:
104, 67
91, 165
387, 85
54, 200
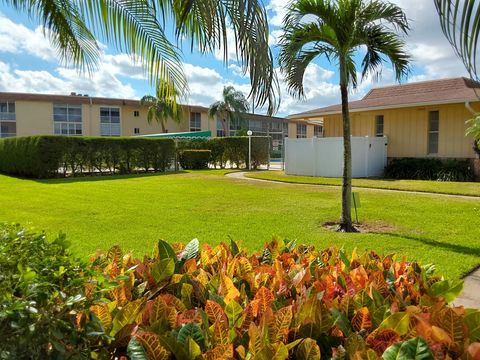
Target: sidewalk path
470, 297
241, 175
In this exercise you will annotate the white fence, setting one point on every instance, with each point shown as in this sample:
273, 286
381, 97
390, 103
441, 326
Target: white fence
324, 156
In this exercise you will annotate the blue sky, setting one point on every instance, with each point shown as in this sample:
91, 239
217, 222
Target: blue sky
29, 64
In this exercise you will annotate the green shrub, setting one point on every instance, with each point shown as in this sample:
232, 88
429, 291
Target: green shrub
194, 159
42, 296
429, 169
232, 150
47, 156
287, 301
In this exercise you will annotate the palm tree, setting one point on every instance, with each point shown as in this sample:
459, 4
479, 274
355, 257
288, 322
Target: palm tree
139, 28
230, 109
337, 30
161, 108
474, 130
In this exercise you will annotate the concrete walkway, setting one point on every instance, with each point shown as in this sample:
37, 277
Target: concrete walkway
470, 297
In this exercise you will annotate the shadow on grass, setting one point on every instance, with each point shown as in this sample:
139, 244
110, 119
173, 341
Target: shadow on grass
451, 247
101, 177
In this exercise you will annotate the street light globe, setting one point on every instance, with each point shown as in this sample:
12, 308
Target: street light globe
249, 132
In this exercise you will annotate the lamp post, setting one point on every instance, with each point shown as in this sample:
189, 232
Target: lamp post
249, 133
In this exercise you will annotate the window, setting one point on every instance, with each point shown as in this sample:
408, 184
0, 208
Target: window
7, 110
301, 131
195, 121
318, 131
136, 113
379, 125
67, 119
220, 130
109, 121
136, 130
433, 126
8, 129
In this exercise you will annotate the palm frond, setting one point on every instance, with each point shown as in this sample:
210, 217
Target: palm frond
207, 24
460, 22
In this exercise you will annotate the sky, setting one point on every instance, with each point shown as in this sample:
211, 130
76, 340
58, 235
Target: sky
28, 63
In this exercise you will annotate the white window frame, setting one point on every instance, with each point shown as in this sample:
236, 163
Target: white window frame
8, 115
315, 130
433, 132
301, 131
69, 125
107, 127
195, 121
377, 123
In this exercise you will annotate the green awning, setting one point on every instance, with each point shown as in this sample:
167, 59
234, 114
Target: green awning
181, 135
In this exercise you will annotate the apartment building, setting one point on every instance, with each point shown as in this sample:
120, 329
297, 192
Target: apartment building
24, 114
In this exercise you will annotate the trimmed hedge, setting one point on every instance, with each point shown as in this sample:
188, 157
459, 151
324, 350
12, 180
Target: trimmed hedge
194, 159
50, 156
429, 169
232, 150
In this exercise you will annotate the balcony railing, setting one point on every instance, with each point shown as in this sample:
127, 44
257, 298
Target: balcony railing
5, 135
7, 116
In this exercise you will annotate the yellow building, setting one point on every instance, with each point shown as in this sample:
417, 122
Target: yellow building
421, 119
76, 114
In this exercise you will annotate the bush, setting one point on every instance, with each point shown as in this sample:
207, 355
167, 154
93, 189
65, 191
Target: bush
187, 302
429, 169
287, 301
194, 159
232, 150
42, 292
49, 156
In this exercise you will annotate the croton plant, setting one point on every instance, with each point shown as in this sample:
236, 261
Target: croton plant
287, 302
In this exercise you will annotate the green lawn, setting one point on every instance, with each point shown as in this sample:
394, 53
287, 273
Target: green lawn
135, 211
441, 187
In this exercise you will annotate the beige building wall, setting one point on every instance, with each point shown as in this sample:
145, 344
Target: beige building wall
407, 130
34, 118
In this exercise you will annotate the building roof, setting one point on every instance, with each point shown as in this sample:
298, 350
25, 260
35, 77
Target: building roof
433, 92
79, 99
86, 99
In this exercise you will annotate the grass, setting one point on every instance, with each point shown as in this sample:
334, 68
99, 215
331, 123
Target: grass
135, 211
438, 187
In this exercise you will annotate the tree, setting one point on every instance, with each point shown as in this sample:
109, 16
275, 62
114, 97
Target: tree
474, 130
230, 109
139, 27
460, 22
337, 30
161, 108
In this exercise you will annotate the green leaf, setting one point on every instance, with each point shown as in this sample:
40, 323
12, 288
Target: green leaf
193, 349
234, 247
135, 350
447, 289
308, 350
192, 331
127, 315
472, 321
398, 322
165, 251
163, 269
342, 322
191, 250
413, 349
233, 311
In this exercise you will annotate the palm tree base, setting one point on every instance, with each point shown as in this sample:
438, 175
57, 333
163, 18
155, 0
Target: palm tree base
346, 228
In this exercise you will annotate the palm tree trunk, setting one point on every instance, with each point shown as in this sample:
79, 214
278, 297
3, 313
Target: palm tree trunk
225, 127
164, 129
346, 218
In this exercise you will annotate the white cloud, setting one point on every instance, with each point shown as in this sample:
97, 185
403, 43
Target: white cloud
17, 38
277, 10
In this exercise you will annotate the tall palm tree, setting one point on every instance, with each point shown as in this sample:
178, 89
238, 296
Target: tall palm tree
230, 109
474, 130
161, 108
337, 30
139, 27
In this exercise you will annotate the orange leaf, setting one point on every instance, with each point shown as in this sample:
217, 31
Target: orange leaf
151, 344
381, 340
265, 299
362, 319
215, 313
